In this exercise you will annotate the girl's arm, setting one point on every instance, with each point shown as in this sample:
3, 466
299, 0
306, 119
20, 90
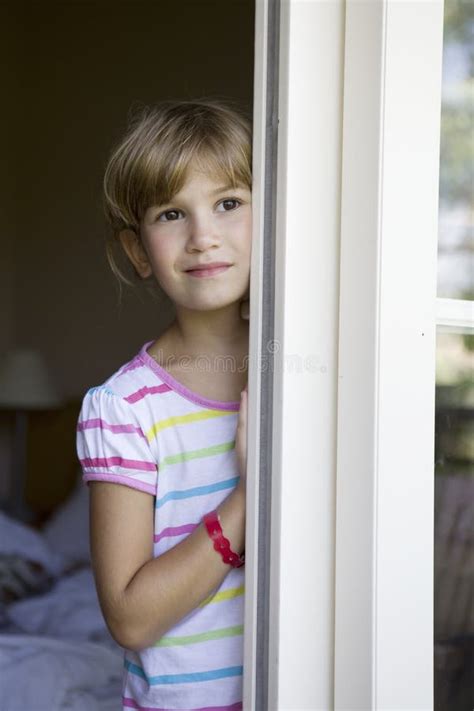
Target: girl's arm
143, 597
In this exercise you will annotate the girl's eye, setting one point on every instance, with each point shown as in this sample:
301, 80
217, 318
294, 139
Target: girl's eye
169, 216
229, 204
224, 206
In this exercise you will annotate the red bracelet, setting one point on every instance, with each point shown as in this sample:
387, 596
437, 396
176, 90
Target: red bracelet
221, 544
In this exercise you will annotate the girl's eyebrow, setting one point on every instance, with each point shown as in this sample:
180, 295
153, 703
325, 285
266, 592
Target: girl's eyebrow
225, 188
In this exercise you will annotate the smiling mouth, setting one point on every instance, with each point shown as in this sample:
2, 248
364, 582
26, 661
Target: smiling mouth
208, 272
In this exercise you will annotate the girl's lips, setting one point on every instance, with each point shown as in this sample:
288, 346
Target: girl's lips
207, 272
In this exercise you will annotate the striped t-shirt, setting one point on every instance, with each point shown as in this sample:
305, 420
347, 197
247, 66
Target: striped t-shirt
144, 429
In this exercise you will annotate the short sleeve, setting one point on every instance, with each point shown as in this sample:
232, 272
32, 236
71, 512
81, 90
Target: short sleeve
111, 443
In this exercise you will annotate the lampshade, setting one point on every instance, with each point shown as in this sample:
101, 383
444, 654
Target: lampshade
25, 383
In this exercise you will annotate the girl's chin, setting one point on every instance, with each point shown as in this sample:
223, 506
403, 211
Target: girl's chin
210, 304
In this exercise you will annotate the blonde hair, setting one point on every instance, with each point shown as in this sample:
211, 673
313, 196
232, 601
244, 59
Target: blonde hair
150, 164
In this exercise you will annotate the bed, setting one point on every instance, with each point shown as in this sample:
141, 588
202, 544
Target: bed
55, 650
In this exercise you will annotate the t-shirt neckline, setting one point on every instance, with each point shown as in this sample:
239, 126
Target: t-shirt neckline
182, 389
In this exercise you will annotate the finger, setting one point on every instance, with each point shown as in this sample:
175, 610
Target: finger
243, 408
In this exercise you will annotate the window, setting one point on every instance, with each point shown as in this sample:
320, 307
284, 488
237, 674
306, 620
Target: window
454, 453
454, 516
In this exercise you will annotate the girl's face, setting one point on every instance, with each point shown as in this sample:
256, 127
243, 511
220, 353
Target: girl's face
205, 222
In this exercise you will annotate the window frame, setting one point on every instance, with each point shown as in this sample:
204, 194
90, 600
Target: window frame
392, 106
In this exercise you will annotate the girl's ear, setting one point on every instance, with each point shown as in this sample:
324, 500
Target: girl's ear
135, 251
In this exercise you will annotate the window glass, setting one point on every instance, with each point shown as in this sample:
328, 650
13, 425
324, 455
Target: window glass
456, 194
454, 523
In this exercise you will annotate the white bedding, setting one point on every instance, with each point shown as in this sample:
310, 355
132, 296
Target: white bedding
70, 610
55, 650
45, 674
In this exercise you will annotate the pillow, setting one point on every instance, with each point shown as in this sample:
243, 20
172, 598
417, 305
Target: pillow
27, 565
17, 539
67, 530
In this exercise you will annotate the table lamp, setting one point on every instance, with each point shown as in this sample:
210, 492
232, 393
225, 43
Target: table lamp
25, 385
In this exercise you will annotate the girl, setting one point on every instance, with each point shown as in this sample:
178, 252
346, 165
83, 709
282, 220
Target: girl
162, 442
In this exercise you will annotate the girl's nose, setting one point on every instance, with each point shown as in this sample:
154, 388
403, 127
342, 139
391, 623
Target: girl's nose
202, 233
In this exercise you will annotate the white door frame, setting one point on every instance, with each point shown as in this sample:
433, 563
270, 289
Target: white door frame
347, 581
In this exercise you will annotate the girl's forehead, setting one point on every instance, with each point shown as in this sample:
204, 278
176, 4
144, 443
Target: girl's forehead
205, 178
207, 182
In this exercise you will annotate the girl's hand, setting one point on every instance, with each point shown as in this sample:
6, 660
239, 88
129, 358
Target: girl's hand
241, 436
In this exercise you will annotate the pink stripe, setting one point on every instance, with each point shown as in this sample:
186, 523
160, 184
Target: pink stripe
143, 392
119, 462
126, 480
175, 531
103, 425
131, 704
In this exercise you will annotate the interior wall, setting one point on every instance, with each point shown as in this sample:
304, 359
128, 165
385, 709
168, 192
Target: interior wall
9, 234
70, 72
75, 69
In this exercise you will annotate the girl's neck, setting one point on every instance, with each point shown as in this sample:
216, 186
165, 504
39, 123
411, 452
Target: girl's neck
200, 336
218, 374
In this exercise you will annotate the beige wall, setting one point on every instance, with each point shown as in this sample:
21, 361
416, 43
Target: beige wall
74, 70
